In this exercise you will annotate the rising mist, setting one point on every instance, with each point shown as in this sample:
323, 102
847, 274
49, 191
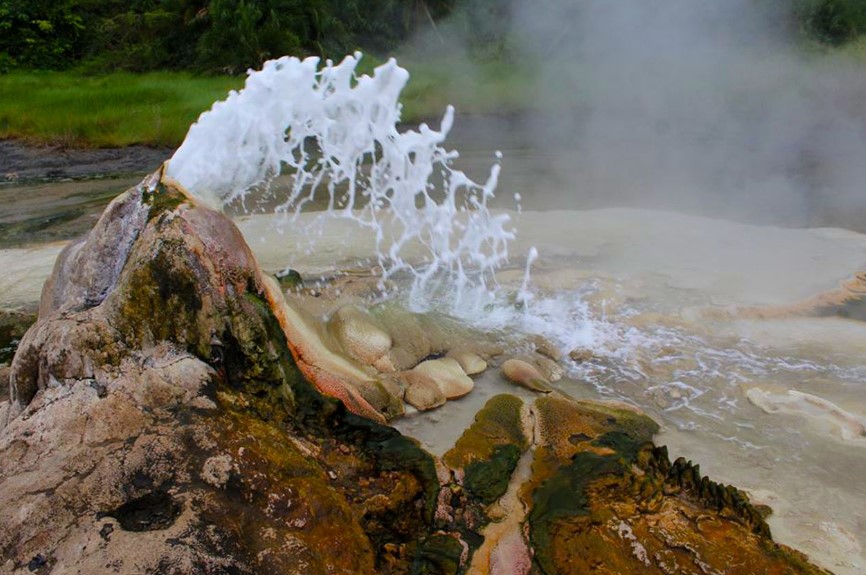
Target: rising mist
717, 108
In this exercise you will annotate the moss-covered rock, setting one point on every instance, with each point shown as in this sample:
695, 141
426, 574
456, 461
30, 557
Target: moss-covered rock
157, 393
488, 451
498, 423
602, 495
488, 480
439, 554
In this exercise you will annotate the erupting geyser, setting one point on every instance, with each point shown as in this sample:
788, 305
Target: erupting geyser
335, 133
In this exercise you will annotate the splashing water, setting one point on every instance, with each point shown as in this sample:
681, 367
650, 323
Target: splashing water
336, 133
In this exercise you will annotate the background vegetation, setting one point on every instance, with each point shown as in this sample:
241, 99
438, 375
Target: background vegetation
199, 35
108, 110
119, 72
833, 22
229, 36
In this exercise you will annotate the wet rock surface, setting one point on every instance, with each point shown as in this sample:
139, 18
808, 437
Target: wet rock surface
169, 413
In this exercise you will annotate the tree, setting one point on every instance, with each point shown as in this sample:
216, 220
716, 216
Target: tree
39, 33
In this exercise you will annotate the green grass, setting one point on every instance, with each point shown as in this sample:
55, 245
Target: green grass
480, 88
113, 110
156, 109
855, 50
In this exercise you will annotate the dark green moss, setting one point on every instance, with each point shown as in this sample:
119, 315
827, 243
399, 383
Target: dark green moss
162, 199
289, 279
438, 555
391, 451
163, 300
265, 361
487, 480
13, 325
625, 444
564, 495
636, 425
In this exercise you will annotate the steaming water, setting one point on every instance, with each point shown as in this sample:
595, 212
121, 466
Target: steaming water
772, 405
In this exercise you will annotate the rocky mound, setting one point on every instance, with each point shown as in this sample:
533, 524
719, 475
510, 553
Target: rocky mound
166, 416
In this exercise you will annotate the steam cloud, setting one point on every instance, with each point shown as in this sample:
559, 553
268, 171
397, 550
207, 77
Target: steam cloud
697, 105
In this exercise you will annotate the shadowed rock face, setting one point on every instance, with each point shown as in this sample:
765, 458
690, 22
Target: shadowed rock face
160, 421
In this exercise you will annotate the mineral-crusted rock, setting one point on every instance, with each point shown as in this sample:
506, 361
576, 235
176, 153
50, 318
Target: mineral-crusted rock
525, 375
448, 374
470, 362
422, 391
162, 426
333, 374
546, 348
357, 332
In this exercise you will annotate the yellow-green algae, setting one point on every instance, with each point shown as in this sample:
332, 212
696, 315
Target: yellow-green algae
602, 495
489, 450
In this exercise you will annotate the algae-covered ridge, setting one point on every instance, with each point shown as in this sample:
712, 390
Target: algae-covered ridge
489, 450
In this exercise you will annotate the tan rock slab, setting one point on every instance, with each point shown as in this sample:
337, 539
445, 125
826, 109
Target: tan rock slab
525, 375
448, 374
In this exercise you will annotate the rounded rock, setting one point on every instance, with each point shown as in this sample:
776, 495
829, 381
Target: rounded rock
448, 374
525, 375
580, 354
357, 333
546, 348
550, 370
422, 392
470, 363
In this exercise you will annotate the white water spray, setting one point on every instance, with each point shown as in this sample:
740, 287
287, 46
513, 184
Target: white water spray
336, 133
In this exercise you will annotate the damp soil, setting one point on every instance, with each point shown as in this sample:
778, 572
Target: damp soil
22, 163
48, 193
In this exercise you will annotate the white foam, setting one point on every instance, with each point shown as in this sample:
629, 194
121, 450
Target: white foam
336, 133
817, 410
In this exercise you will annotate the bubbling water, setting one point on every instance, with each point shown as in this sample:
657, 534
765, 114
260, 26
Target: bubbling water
335, 132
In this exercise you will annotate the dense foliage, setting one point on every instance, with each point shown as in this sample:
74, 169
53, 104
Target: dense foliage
216, 35
232, 35
834, 22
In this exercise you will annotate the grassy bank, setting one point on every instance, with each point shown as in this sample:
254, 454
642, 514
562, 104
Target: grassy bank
113, 110
120, 109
